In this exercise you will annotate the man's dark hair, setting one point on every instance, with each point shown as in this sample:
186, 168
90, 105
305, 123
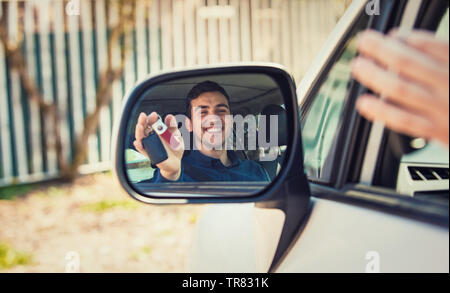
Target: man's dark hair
203, 87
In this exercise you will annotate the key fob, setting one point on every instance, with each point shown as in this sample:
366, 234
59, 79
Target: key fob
154, 148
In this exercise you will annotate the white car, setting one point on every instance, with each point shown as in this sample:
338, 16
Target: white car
344, 195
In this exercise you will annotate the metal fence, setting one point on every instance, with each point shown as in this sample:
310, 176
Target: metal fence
65, 53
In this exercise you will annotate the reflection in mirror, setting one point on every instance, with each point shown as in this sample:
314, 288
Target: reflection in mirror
190, 135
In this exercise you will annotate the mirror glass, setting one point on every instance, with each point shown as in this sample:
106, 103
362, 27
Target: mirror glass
213, 134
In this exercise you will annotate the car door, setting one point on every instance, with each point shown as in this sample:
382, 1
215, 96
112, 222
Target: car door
357, 225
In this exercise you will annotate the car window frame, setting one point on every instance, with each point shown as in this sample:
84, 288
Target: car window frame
351, 127
307, 103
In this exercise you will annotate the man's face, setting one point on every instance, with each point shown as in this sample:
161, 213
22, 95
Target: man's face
209, 113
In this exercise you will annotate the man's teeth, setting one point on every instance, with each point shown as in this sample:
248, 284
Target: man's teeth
214, 129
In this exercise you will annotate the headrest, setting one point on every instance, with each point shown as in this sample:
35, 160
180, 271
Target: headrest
273, 109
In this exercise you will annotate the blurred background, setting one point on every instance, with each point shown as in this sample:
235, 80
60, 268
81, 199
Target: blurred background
64, 68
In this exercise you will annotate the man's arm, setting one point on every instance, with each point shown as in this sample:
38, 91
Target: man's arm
159, 178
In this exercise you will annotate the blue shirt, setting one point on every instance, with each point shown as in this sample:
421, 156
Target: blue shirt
197, 167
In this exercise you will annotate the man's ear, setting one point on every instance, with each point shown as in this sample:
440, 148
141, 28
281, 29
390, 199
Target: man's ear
188, 124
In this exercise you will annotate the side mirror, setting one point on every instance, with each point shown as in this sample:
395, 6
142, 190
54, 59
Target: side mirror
237, 128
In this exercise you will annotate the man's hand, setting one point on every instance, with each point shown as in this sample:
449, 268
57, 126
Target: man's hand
412, 73
170, 168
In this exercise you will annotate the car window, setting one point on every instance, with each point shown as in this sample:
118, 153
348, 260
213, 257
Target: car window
442, 31
320, 125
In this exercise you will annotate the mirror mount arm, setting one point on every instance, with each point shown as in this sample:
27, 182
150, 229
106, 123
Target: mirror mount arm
294, 202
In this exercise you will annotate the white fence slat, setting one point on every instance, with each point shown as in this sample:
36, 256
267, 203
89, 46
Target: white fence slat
276, 33
255, 30
246, 35
313, 22
88, 58
129, 72
5, 127
166, 34
202, 52
47, 87
35, 123
15, 94
304, 42
213, 37
105, 118
267, 34
75, 74
178, 35
115, 62
141, 39
61, 77
234, 32
285, 34
295, 32
189, 26
154, 23
224, 36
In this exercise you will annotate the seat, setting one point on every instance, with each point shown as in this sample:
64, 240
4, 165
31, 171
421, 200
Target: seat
273, 166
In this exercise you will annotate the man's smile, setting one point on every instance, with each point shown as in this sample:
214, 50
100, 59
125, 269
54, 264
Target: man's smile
213, 129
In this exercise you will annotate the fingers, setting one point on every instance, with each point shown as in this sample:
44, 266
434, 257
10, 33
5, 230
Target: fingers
171, 123
401, 58
176, 139
152, 118
393, 87
426, 42
393, 117
140, 132
139, 147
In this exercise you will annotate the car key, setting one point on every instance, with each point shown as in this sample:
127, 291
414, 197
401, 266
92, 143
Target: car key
160, 128
153, 145
154, 148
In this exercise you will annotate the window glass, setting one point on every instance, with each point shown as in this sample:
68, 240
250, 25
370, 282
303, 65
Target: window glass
442, 31
322, 119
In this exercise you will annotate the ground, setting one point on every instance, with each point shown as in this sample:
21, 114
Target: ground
50, 227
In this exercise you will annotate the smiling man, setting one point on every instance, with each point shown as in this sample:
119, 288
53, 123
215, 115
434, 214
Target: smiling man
208, 112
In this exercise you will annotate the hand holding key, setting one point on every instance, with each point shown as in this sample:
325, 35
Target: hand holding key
170, 138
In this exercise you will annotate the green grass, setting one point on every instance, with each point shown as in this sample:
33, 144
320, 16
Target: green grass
141, 253
14, 191
105, 205
52, 192
10, 257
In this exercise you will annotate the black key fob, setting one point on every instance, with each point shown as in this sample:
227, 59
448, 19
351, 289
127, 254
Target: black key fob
154, 148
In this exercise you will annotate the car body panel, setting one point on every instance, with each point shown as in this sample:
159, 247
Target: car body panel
338, 237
